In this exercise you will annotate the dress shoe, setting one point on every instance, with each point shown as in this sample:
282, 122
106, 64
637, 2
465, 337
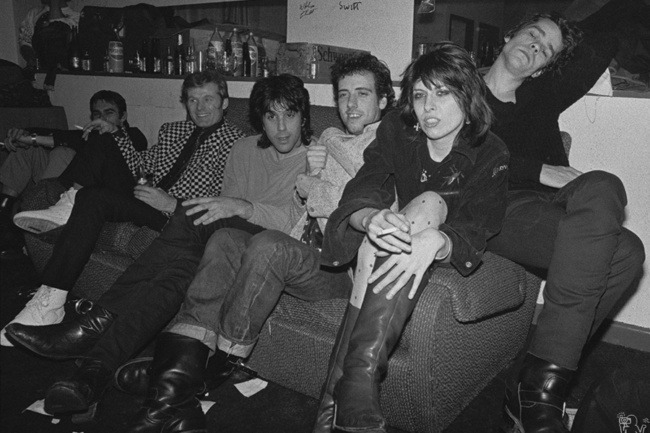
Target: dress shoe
537, 405
81, 392
133, 376
66, 340
45, 308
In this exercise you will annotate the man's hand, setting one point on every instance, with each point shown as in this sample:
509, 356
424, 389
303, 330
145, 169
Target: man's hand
399, 268
556, 176
155, 197
17, 138
100, 126
316, 159
218, 208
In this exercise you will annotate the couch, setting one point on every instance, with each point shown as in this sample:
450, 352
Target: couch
463, 332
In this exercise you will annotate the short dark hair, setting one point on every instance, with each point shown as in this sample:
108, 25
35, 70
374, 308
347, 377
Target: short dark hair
359, 64
451, 65
571, 37
285, 90
110, 97
198, 79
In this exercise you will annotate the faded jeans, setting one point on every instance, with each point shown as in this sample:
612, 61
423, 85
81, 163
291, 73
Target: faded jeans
576, 234
239, 282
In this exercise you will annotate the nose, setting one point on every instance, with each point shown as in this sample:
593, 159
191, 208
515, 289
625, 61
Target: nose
429, 104
281, 124
535, 47
352, 101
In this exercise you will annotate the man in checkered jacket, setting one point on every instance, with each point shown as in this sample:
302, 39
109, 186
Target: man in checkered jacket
187, 162
258, 194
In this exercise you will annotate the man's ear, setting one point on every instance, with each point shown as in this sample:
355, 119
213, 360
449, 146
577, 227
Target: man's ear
506, 39
123, 119
383, 102
224, 103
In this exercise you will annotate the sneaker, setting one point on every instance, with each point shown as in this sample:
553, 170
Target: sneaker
40, 221
45, 308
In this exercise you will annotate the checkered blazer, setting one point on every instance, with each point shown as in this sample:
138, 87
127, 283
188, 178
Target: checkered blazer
204, 173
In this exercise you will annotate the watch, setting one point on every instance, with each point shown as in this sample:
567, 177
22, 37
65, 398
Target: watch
34, 139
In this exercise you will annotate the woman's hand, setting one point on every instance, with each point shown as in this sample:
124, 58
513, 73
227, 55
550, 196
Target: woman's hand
388, 230
399, 268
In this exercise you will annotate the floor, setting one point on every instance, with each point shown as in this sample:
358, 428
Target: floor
25, 377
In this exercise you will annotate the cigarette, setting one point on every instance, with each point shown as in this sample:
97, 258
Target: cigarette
387, 231
79, 127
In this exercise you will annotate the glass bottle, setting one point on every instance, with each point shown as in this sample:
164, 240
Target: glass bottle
190, 60
261, 59
215, 50
86, 63
237, 53
169, 62
313, 64
74, 53
155, 55
253, 55
246, 59
179, 56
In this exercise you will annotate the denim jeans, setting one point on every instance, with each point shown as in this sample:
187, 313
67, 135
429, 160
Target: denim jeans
149, 292
239, 282
576, 234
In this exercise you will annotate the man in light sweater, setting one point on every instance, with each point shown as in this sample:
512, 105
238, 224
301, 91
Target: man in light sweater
257, 194
242, 275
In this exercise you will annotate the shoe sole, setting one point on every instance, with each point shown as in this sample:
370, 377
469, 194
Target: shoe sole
62, 399
35, 225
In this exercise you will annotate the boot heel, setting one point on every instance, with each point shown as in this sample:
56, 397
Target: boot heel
87, 416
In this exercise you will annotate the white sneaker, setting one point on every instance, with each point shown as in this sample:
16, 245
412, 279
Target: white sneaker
39, 221
45, 308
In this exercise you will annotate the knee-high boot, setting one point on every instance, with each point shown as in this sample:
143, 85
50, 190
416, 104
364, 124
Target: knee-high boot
176, 377
325, 414
375, 334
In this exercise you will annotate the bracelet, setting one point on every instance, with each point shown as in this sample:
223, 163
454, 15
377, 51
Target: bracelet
34, 139
448, 249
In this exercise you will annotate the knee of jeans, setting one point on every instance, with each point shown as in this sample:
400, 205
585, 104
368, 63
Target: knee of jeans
267, 244
604, 187
633, 250
89, 196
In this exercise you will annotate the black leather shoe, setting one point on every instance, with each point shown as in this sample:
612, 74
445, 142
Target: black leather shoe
67, 340
133, 376
81, 392
537, 405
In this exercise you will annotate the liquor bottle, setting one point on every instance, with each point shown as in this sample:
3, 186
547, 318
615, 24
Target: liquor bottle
74, 54
146, 62
86, 63
225, 67
107, 61
261, 59
253, 55
313, 65
155, 55
215, 50
237, 53
179, 56
169, 62
190, 60
246, 59
134, 62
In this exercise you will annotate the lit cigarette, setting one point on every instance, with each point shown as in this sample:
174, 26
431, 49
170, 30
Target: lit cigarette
387, 231
79, 127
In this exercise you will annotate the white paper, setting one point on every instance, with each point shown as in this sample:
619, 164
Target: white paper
603, 86
206, 405
251, 387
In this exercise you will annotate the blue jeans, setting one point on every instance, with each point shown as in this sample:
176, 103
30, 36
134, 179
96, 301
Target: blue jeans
576, 234
239, 282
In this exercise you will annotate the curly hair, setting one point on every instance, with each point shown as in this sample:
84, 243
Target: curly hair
363, 63
285, 90
450, 65
571, 37
198, 79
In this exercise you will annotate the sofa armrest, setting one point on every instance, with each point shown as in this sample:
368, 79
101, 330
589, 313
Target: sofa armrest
498, 285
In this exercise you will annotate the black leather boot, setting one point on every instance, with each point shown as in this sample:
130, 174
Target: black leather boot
538, 403
11, 237
176, 377
133, 376
66, 340
325, 414
375, 334
81, 392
